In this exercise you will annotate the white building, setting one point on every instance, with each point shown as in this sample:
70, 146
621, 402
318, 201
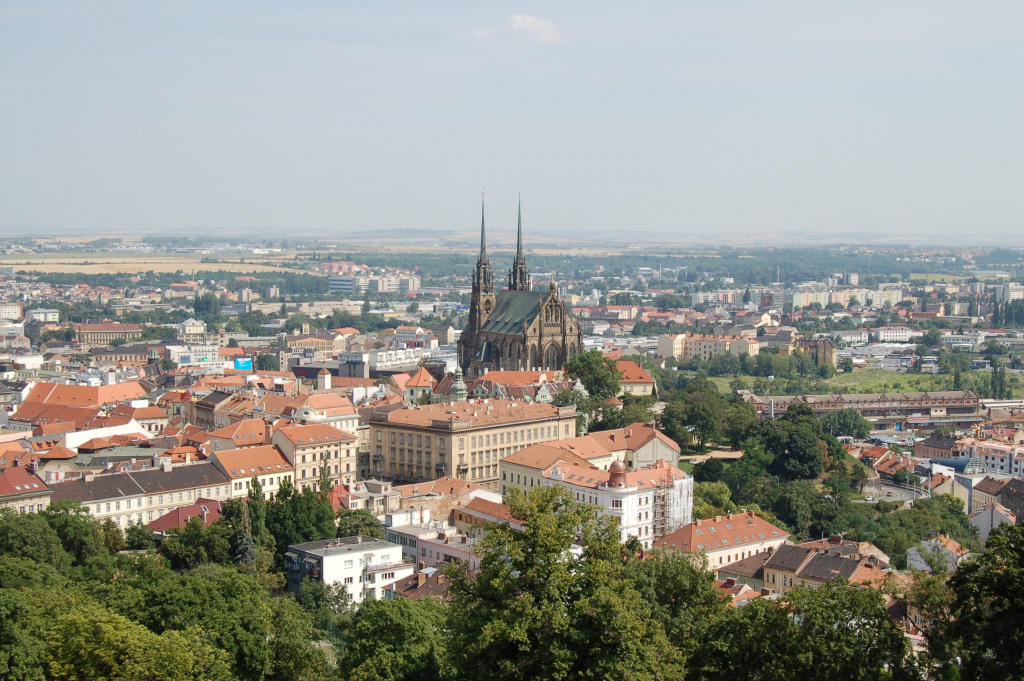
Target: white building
44, 315
364, 565
649, 503
896, 334
202, 356
1008, 292
10, 311
989, 517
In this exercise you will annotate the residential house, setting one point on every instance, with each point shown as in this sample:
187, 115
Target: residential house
143, 496
985, 492
365, 566
208, 509
938, 547
247, 433
22, 491
792, 566
725, 539
309, 447
1012, 497
634, 380
989, 517
266, 463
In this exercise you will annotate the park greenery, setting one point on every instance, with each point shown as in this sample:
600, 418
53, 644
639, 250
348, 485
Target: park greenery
560, 599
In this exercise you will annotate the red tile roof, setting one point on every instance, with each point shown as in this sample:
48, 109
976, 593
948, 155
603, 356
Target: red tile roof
17, 480
697, 537
633, 372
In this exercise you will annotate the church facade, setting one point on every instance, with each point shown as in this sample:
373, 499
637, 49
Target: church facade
517, 329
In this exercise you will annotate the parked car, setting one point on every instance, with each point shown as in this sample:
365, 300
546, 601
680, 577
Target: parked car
888, 494
869, 498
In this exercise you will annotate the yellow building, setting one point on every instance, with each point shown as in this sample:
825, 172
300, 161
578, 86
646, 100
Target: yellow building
466, 440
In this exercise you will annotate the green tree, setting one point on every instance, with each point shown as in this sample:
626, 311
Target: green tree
710, 470
396, 639
846, 422
30, 536
833, 632
352, 522
81, 534
21, 653
266, 361
599, 374
538, 610
987, 608
681, 593
139, 538
291, 645
90, 642
846, 365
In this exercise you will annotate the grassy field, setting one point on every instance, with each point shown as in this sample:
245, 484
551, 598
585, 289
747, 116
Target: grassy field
877, 380
939, 278
860, 380
114, 263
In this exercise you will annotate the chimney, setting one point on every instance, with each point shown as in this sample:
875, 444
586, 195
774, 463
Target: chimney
766, 592
420, 578
440, 578
421, 566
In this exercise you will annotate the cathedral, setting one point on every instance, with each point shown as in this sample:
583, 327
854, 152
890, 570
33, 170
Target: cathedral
517, 329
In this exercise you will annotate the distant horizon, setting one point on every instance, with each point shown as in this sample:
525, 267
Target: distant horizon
505, 238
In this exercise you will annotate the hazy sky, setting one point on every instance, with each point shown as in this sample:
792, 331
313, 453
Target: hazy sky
684, 118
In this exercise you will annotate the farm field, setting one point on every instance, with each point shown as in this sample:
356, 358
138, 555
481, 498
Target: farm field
128, 263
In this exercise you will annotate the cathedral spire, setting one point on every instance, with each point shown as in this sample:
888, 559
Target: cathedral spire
519, 275
519, 233
483, 231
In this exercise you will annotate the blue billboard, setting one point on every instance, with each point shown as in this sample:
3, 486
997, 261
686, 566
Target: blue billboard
243, 363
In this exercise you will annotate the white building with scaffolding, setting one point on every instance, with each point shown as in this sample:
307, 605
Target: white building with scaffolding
650, 502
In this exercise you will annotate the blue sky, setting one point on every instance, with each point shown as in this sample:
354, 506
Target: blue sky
770, 121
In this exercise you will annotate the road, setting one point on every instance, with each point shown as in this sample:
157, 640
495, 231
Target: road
879, 490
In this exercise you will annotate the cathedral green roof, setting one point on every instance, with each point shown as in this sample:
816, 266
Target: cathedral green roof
511, 309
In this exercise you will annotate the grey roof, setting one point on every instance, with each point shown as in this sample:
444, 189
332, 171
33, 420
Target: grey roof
827, 567
939, 442
511, 309
343, 545
153, 481
751, 566
788, 558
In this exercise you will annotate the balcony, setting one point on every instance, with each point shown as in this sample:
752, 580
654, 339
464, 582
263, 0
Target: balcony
377, 567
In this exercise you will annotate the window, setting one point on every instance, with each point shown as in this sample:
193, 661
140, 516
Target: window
388, 575
348, 580
616, 503
348, 563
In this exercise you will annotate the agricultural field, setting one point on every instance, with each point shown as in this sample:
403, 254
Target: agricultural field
129, 263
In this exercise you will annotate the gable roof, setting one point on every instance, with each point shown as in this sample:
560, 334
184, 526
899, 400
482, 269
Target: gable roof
633, 372
151, 481
314, 433
511, 310
85, 395
544, 456
245, 463
421, 379
16, 480
207, 509
738, 529
247, 432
